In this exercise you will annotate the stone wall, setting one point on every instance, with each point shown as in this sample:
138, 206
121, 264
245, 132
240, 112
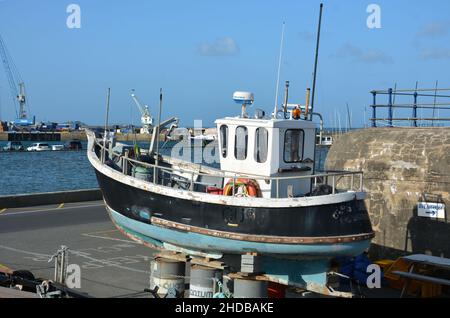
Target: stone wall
401, 166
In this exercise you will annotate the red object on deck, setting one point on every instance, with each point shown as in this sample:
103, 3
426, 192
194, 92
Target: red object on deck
275, 290
214, 190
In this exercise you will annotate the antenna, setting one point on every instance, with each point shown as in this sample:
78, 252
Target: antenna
108, 96
286, 97
155, 178
275, 109
339, 123
316, 60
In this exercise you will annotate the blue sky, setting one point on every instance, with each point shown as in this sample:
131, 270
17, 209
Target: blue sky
201, 51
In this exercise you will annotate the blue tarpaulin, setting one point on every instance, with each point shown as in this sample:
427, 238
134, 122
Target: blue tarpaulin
355, 268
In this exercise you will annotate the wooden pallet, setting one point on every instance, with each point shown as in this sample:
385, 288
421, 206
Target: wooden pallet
181, 257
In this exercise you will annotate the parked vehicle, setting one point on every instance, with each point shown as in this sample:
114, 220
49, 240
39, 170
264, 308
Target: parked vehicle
57, 147
39, 146
74, 145
13, 146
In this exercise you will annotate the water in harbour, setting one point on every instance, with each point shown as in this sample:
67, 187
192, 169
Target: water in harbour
47, 171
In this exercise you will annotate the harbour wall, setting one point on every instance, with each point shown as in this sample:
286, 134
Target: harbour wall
28, 200
42, 136
402, 167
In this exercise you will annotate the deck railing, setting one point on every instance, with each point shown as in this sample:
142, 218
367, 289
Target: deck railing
421, 99
349, 180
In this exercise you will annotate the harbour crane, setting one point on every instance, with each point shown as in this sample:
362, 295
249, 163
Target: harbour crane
17, 86
146, 118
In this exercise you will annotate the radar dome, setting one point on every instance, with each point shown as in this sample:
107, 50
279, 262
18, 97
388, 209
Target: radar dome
245, 98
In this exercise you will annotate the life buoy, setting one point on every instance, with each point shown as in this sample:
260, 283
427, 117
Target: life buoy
244, 187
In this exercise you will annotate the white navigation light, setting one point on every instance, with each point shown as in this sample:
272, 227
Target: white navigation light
243, 98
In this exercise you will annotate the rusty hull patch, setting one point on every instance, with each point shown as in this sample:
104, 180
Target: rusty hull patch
262, 238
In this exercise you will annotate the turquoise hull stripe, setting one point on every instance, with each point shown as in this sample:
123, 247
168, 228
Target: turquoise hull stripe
206, 243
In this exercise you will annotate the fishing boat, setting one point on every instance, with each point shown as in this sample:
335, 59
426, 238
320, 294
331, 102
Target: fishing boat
263, 202
264, 198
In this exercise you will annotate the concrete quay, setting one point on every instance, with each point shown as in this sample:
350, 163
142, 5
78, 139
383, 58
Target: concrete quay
60, 197
111, 264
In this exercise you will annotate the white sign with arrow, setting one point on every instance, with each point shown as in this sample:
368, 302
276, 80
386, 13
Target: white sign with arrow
431, 210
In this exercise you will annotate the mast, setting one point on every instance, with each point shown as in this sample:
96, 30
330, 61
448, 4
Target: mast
106, 132
157, 137
349, 119
316, 61
275, 109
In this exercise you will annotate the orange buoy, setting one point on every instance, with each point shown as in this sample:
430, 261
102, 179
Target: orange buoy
248, 187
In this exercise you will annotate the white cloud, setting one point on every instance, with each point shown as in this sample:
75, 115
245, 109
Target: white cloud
370, 56
433, 30
435, 54
220, 47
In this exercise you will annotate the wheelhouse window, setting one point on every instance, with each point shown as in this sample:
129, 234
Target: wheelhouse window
293, 145
241, 143
224, 140
261, 145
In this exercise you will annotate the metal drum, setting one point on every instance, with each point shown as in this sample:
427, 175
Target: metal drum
203, 281
167, 274
246, 288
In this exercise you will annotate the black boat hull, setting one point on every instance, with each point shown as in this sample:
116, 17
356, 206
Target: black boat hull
288, 230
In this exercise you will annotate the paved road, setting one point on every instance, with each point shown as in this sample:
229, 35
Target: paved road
111, 264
